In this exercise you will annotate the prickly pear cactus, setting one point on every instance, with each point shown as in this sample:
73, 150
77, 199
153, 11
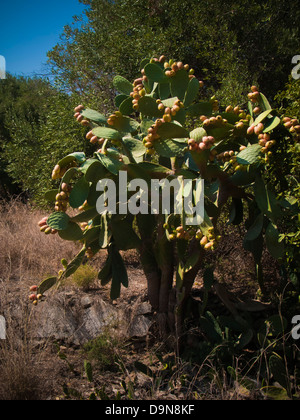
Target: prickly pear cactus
163, 129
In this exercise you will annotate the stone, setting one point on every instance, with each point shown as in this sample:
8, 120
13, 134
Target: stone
139, 327
78, 317
74, 319
143, 309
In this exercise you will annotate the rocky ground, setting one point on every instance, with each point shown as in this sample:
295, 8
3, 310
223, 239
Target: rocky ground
48, 347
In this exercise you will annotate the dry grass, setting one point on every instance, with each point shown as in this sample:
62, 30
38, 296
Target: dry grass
23, 375
26, 257
25, 253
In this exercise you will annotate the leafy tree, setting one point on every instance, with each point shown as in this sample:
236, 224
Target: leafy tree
287, 167
36, 127
19, 96
288, 99
222, 41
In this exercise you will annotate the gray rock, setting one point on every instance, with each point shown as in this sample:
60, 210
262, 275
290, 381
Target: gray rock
143, 309
139, 327
78, 317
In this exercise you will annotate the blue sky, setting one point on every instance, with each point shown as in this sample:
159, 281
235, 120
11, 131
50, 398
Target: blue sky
29, 29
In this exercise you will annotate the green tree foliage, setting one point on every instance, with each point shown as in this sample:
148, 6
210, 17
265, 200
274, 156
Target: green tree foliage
289, 98
225, 42
18, 97
35, 128
287, 166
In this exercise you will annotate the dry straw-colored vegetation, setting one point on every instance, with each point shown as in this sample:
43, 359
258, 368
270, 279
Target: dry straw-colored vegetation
25, 257
31, 370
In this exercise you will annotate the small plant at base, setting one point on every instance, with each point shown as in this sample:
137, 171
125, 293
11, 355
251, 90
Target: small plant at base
84, 277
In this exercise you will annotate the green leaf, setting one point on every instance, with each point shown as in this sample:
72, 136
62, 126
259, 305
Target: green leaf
244, 339
94, 171
85, 216
255, 247
206, 224
266, 200
112, 165
231, 323
136, 170
192, 92
136, 147
217, 328
198, 134
118, 268
122, 85
149, 107
169, 102
191, 262
94, 116
75, 263
278, 370
155, 73
124, 235
114, 154
46, 285
242, 178
107, 133
146, 123
262, 116
121, 98
231, 117
77, 156
275, 325
58, 221
164, 90
275, 392
264, 103
126, 125
180, 116
88, 370
261, 197
179, 84
115, 290
51, 195
272, 123
172, 131
72, 233
126, 106
236, 212
144, 62
154, 169
141, 367
105, 274
249, 156
91, 235
79, 193
71, 173
170, 148
255, 230
210, 326
200, 108
220, 133
275, 247
104, 236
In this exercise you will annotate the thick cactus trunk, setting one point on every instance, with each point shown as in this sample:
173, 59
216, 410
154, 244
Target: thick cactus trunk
157, 256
